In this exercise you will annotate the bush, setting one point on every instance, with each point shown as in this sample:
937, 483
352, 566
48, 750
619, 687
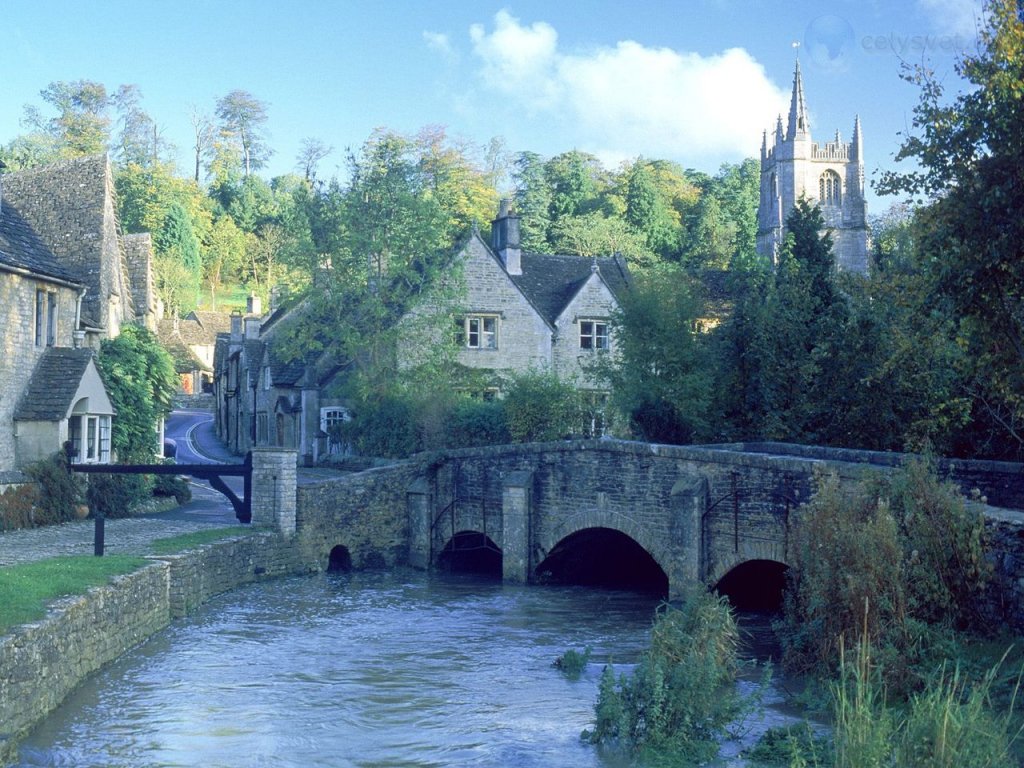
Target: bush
573, 662
114, 496
173, 485
540, 407
60, 490
17, 504
682, 694
898, 558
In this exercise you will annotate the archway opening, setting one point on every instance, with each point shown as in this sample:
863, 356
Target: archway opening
604, 558
471, 552
756, 585
340, 560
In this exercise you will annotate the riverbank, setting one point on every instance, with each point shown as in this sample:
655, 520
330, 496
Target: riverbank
42, 662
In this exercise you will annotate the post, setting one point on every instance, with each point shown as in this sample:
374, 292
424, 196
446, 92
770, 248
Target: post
98, 533
274, 482
689, 502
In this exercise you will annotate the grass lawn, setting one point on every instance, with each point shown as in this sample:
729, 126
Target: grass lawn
26, 590
175, 544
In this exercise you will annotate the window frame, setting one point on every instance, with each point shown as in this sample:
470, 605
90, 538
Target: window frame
475, 334
594, 335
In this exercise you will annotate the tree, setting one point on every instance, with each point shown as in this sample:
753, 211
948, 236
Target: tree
311, 152
594, 234
243, 120
203, 138
659, 376
224, 253
139, 376
970, 159
647, 212
139, 141
178, 261
462, 188
82, 125
532, 201
575, 181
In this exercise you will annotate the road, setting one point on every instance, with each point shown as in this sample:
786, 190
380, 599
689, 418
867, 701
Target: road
196, 444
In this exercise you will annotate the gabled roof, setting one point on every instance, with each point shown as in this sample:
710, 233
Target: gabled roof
53, 384
22, 249
551, 281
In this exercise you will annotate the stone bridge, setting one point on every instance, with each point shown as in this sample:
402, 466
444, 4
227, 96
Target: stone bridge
700, 513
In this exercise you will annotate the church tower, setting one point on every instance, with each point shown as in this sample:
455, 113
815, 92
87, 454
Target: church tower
793, 166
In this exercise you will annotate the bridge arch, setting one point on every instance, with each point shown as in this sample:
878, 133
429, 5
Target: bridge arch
471, 551
596, 520
603, 557
754, 585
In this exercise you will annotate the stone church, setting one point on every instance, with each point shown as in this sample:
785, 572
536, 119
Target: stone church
831, 175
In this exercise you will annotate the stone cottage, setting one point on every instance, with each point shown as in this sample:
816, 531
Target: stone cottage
517, 312
65, 285
191, 341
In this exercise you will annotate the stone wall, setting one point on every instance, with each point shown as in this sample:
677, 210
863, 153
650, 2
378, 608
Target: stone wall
42, 662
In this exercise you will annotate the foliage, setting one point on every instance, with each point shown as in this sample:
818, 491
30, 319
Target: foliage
60, 490
243, 120
540, 407
969, 158
172, 485
26, 590
572, 663
659, 370
898, 559
139, 376
788, 747
17, 506
680, 697
114, 496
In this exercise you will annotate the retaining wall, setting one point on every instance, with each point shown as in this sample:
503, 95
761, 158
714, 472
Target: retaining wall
42, 662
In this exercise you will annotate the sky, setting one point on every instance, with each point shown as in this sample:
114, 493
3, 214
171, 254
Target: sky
693, 81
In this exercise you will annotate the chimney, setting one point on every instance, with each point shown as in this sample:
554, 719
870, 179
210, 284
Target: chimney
236, 326
253, 305
505, 238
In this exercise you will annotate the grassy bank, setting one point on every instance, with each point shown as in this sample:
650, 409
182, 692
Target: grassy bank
172, 545
26, 590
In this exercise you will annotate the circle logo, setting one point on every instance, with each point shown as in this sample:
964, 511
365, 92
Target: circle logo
828, 42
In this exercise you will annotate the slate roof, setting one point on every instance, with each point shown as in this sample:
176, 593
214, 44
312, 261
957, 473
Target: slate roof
22, 248
550, 281
53, 384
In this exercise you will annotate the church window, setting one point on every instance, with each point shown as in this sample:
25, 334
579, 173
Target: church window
830, 188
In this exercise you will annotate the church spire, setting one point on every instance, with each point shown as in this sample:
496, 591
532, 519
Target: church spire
799, 126
856, 146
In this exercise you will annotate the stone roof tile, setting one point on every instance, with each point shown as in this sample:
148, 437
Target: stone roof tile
53, 384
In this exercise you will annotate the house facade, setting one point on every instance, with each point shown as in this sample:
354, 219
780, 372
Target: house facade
64, 287
515, 312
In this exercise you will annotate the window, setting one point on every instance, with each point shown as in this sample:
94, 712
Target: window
46, 318
90, 439
331, 420
830, 188
266, 378
261, 428
593, 334
477, 331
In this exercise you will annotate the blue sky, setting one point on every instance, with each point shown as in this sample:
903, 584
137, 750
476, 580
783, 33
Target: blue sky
695, 81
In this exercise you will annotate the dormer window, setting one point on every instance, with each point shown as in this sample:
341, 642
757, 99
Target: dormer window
593, 334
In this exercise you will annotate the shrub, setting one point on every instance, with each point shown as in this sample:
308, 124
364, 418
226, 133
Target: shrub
908, 544
681, 695
60, 490
540, 407
573, 662
16, 506
113, 496
173, 485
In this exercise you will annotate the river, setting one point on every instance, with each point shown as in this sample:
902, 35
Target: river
363, 669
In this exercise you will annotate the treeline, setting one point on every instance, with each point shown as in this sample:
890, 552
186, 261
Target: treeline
221, 229
924, 353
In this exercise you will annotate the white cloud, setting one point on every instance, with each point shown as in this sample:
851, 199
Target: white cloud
439, 42
631, 99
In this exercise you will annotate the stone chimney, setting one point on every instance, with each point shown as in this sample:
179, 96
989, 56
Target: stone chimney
505, 238
253, 305
236, 326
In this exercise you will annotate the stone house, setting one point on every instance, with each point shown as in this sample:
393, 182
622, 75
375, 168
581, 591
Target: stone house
516, 312
65, 285
191, 342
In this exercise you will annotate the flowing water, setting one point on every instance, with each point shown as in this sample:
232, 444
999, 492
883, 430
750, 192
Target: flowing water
364, 669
